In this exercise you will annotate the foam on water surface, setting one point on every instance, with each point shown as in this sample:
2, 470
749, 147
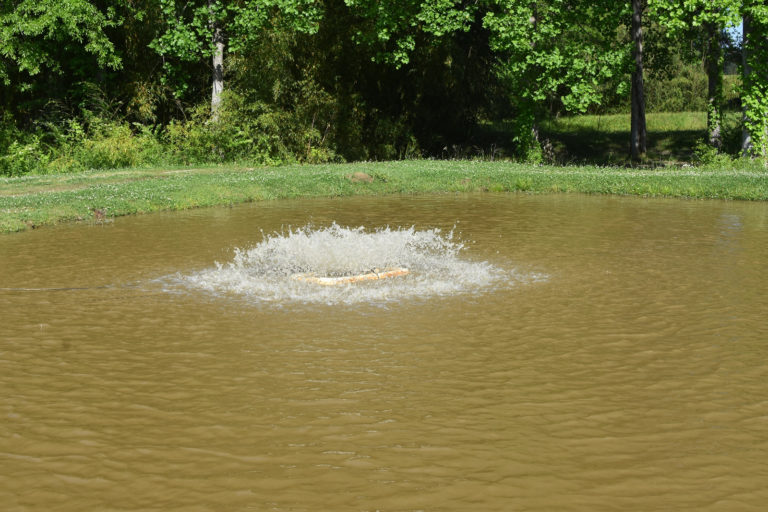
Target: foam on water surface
264, 272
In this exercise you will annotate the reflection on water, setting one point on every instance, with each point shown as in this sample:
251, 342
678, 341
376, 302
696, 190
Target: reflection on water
632, 377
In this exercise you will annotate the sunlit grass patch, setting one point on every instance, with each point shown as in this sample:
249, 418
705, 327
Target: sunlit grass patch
620, 123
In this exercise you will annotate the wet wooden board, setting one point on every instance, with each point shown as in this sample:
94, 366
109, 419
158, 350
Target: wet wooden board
373, 275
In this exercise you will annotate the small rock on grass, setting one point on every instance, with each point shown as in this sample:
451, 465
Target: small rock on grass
360, 177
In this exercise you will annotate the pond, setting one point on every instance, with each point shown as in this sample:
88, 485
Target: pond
544, 353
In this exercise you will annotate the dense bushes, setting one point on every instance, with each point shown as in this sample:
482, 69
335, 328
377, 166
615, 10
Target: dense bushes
100, 144
303, 122
684, 91
76, 146
252, 132
681, 89
20, 153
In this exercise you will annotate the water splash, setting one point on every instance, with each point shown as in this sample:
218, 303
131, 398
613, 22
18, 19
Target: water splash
264, 273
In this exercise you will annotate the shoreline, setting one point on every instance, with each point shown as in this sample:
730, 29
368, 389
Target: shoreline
33, 201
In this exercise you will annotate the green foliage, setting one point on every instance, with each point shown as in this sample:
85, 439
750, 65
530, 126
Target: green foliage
254, 137
247, 131
186, 29
560, 52
679, 15
330, 80
395, 141
21, 158
685, 90
558, 48
706, 20
755, 87
392, 29
77, 145
102, 144
710, 158
32, 33
20, 153
680, 88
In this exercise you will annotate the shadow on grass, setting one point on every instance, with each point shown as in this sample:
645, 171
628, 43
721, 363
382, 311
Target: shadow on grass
612, 148
590, 145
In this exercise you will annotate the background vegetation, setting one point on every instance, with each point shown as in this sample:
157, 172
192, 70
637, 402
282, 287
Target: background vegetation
95, 84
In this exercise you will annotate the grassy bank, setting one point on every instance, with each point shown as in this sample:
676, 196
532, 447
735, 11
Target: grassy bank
33, 201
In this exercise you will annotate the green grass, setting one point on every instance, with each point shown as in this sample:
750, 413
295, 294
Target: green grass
619, 123
604, 139
33, 201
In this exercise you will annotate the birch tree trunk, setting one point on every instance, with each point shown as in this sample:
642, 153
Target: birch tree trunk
713, 61
218, 65
638, 128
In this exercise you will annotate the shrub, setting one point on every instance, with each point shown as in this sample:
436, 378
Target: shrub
685, 91
20, 153
394, 140
248, 130
23, 158
251, 135
709, 157
103, 144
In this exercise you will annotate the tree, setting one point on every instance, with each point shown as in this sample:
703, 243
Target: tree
713, 63
217, 79
423, 67
41, 35
746, 63
392, 27
755, 72
555, 49
206, 29
638, 127
708, 19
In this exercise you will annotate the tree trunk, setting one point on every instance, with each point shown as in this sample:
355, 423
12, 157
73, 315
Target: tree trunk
638, 131
746, 136
713, 61
535, 126
218, 65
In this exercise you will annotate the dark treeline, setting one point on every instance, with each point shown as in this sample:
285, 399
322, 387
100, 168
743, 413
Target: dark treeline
107, 83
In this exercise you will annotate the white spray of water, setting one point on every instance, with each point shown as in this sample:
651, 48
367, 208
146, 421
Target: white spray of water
264, 273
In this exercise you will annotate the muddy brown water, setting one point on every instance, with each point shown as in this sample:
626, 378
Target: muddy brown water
631, 374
